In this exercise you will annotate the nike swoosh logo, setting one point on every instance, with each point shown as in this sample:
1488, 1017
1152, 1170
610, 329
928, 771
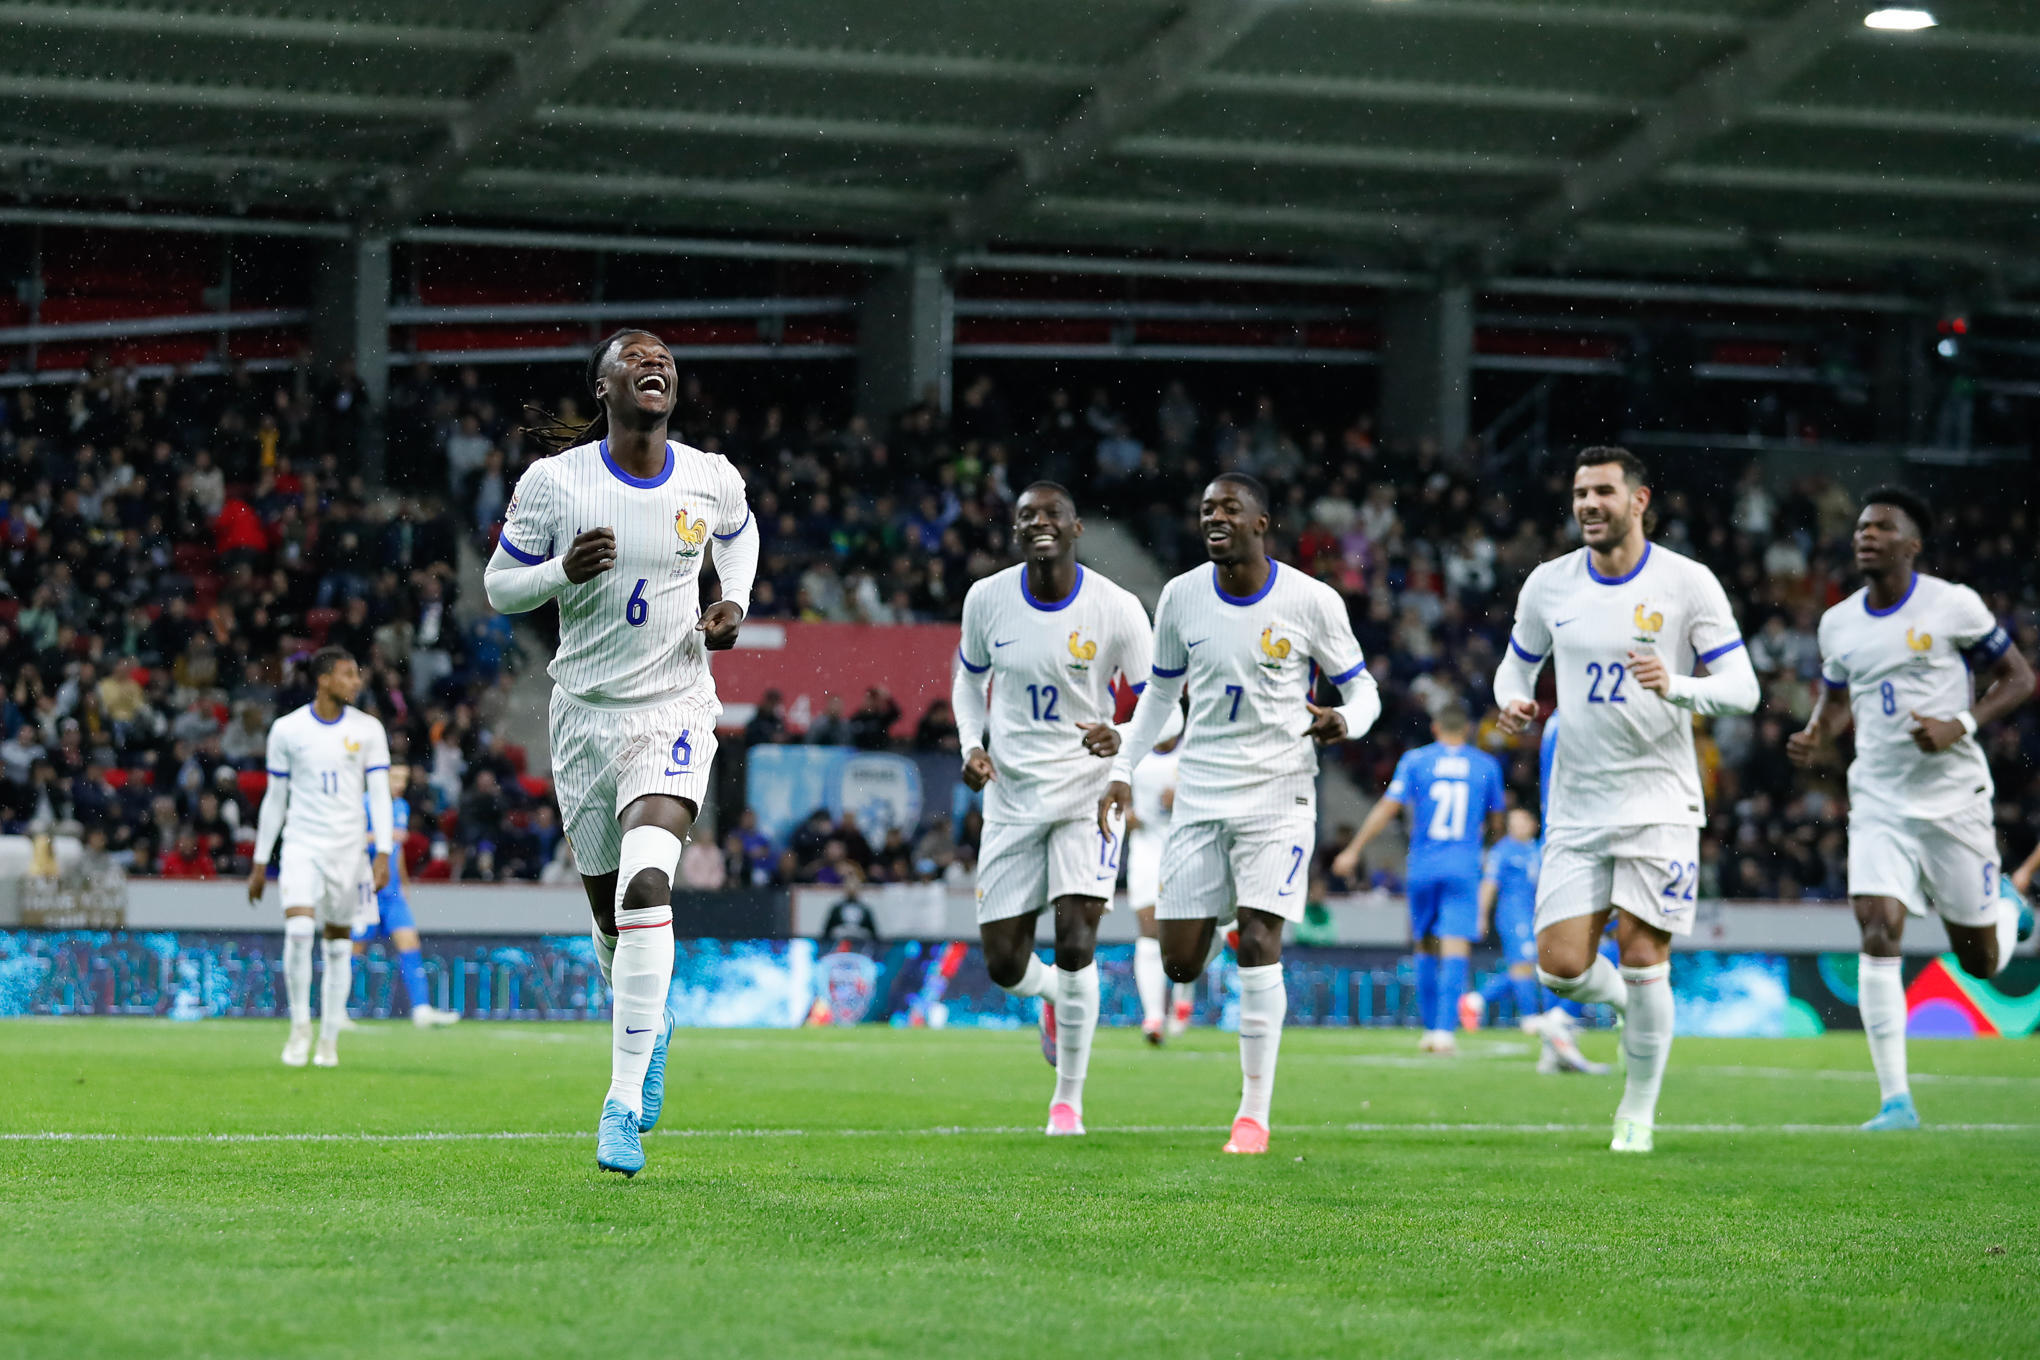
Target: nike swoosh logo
1290, 893
628, 1030
1563, 622
1007, 643
1199, 643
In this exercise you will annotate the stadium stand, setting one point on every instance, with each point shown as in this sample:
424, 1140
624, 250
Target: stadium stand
177, 547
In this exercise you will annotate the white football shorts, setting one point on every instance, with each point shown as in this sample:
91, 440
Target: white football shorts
605, 759
1950, 864
1212, 869
338, 888
1652, 872
1144, 866
1025, 866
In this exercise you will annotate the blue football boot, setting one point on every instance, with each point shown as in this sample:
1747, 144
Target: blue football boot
1895, 1113
616, 1141
655, 1076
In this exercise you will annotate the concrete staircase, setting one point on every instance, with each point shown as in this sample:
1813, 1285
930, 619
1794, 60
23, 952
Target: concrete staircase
531, 692
1111, 549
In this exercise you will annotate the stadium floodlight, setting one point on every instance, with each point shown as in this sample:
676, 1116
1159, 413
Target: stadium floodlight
1899, 20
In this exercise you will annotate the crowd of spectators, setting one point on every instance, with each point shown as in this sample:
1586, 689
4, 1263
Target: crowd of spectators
175, 548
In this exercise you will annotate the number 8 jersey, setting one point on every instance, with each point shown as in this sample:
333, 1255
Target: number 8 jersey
1915, 655
1051, 664
1625, 756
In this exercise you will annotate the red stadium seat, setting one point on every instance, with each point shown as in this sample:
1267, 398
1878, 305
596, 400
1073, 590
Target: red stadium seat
192, 558
515, 754
535, 786
321, 621
118, 778
253, 784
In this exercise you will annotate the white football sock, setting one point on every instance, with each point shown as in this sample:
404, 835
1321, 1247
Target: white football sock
1149, 979
333, 995
1880, 996
1600, 985
1646, 1039
1185, 992
640, 976
297, 966
1264, 1002
2007, 932
1038, 980
1076, 1020
605, 952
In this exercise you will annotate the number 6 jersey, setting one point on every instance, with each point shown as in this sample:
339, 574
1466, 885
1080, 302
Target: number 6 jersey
1625, 756
1914, 656
627, 636
1051, 664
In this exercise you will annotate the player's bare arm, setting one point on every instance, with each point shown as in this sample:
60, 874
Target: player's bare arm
2022, 877
718, 625
1516, 716
1490, 893
592, 553
381, 872
1814, 744
258, 879
1649, 670
1327, 725
2011, 684
1384, 811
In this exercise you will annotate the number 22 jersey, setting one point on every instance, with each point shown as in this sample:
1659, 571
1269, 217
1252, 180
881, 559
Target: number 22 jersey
1624, 756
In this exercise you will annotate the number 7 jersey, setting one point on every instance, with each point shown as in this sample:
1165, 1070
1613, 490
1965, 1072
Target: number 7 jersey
1624, 755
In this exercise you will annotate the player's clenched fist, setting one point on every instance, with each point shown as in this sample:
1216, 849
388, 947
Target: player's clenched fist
1516, 717
977, 770
1101, 739
1807, 748
1114, 806
718, 625
593, 552
1327, 725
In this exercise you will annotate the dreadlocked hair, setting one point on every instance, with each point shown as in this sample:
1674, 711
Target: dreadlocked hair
557, 435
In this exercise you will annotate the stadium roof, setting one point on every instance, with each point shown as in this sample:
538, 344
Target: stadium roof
1731, 136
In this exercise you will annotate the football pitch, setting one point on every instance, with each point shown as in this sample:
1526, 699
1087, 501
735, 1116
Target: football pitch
171, 1190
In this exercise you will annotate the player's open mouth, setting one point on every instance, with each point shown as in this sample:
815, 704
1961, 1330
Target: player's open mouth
652, 382
1218, 535
1044, 539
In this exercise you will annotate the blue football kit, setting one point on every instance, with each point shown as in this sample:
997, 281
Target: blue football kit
1449, 792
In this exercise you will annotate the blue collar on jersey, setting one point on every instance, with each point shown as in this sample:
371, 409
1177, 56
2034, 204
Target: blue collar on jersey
1257, 596
1910, 587
1599, 579
313, 709
1063, 603
643, 483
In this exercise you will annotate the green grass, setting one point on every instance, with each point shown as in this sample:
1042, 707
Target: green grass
889, 1193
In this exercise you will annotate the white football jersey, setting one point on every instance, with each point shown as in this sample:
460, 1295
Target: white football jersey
1914, 656
1625, 756
627, 636
327, 764
1251, 662
1051, 666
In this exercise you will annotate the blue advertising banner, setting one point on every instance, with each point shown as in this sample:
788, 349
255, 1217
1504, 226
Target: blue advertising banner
784, 784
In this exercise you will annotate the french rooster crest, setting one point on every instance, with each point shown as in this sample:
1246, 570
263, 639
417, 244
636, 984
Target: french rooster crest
1274, 648
1919, 642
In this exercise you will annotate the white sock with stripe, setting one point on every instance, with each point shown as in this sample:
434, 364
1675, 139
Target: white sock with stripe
333, 995
1646, 1039
1600, 985
1149, 979
1076, 1021
1264, 1003
1038, 980
640, 976
1880, 997
297, 967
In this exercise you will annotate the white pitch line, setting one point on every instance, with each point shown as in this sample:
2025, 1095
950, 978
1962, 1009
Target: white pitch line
947, 1131
1834, 1074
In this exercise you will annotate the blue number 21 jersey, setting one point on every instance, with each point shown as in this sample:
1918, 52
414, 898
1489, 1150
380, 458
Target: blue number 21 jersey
1449, 791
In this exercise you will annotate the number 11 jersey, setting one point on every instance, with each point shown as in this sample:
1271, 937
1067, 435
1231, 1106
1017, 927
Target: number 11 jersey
1625, 756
